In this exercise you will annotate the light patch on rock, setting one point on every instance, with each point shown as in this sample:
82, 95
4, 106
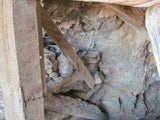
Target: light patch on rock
98, 76
65, 67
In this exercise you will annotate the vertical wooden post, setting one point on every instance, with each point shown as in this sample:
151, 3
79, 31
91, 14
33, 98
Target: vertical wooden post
20, 74
43, 72
153, 29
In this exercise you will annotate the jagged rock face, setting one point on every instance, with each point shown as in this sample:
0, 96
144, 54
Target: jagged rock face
126, 58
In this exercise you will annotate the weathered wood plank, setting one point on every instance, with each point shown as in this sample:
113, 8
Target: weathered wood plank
43, 73
136, 3
132, 16
10, 82
153, 28
64, 45
20, 64
65, 83
74, 107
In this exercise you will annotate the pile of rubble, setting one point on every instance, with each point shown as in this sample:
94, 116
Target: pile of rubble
124, 69
68, 94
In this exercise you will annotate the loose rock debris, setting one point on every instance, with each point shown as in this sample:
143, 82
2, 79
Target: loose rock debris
62, 78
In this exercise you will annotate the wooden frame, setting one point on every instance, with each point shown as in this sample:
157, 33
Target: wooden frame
21, 53
20, 60
23, 77
67, 49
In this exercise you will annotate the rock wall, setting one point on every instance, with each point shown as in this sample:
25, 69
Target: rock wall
118, 57
131, 86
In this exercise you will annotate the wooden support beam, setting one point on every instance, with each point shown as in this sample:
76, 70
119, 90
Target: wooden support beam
67, 49
75, 107
43, 72
153, 28
20, 74
64, 84
132, 16
136, 3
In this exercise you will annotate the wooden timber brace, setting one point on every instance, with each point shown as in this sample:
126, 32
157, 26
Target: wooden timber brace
21, 51
22, 62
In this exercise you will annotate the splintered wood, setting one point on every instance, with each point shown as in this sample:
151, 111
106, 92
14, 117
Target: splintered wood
74, 107
67, 49
20, 73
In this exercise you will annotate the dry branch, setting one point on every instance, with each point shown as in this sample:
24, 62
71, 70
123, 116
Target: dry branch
67, 49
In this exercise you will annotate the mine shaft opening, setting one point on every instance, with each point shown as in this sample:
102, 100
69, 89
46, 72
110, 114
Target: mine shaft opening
80, 60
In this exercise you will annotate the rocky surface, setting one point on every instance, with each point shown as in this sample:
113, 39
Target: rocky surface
126, 59
65, 67
2, 113
119, 58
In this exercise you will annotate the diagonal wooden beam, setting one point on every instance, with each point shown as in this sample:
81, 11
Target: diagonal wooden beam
67, 49
132, 16
74, 107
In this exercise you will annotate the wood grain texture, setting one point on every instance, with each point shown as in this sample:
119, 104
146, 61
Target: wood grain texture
67, 49
136, 3
9, 73
43, 72
134, 17
64, 84
20, 64
75, 107
153, 28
